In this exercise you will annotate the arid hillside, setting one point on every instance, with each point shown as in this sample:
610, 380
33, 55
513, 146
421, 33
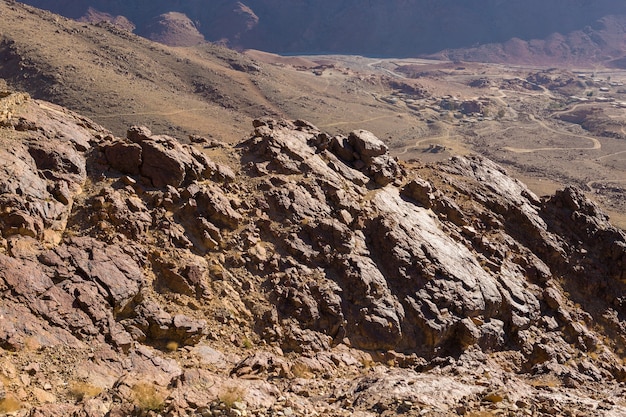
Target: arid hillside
117, 77
192, 231
397, 28
296, 273
551, 128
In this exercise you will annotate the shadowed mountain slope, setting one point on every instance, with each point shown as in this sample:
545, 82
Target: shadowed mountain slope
115, 76
599, 44
392, 28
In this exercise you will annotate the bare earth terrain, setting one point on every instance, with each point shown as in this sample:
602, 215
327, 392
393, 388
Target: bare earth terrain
193, 231
550, 127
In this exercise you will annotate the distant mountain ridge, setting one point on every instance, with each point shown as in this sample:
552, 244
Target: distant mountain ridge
602, 43
393, 28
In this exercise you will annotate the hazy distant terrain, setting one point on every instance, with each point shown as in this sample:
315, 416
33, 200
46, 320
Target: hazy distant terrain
391, 28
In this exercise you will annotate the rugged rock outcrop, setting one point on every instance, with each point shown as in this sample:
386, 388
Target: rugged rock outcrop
315, 275
174, 29
406, 269
162, 159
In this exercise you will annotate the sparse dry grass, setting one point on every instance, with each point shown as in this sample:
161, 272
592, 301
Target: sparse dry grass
301, 370
31, 343
546, 381
247, 343
231, 394
494, 397
367, 363
10, 404
172, 346
81, 390
148, 397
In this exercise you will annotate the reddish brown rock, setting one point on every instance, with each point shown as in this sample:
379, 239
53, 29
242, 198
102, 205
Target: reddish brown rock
153, 325
420, 191
163, 162
43, 176
162, 159
336, 284
124, 157
366, 144
25, 279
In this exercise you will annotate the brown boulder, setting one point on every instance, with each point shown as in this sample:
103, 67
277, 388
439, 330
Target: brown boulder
188, 278
366, 144
137, 134
164, 162
420, 191
365, 152
108, 266
216, 206
150, 323
21, 223
59, 159
341, 146
23, 278
126, 212
124, 157
383, 169
162, 159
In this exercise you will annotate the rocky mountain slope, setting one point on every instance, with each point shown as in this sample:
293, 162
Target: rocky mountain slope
294, 273
601, 42
392, 28
119, 78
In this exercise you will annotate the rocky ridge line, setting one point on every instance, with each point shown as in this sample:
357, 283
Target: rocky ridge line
302, 274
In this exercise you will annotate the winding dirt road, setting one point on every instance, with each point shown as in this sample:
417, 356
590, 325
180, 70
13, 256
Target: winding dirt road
417, 143
596, 143
361, 121
154, 113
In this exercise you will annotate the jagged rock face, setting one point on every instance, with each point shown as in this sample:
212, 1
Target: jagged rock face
40, 176
405, 268
162, 159
311, 244
383, 272
78, 288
